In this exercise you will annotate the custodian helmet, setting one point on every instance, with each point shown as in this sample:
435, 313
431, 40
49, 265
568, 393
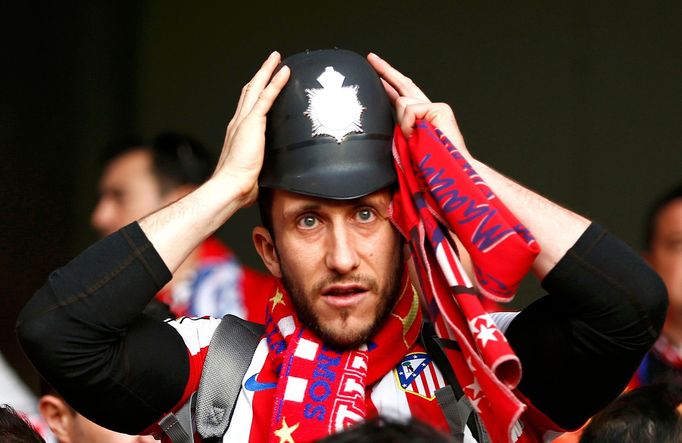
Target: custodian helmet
330, 131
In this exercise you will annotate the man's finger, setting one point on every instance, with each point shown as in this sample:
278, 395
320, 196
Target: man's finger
251, 90
259, 82
391, 92
269, 94
402, 84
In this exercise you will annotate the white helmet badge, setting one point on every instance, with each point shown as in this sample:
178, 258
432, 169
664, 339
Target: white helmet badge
334, 109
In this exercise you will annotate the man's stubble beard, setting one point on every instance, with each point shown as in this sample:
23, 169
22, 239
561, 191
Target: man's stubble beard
338, 339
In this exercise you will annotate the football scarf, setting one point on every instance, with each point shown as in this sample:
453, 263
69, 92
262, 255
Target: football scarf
440, 195
321, 391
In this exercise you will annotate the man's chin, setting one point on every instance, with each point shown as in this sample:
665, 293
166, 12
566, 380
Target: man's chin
344, 338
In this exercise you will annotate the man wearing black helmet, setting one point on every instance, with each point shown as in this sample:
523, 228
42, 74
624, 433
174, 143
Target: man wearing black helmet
341, 339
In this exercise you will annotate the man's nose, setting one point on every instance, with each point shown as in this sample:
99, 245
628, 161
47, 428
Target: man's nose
342, 256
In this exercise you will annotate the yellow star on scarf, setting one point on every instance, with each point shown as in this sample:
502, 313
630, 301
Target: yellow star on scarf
284, 433
277, 299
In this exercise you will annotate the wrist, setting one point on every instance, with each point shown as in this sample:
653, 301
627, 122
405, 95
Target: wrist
229, 193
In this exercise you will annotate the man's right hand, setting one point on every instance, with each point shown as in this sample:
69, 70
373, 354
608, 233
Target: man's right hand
181, 226
242, 155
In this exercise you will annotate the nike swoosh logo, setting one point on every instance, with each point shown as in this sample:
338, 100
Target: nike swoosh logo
253, 385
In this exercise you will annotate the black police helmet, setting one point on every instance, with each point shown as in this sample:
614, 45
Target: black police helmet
330, 131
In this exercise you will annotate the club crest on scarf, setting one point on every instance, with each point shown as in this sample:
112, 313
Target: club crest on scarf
334, 109
416, 374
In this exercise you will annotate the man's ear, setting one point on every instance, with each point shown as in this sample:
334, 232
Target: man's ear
265, 246
58, 416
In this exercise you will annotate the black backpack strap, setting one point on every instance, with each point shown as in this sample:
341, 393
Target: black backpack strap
209, 410
229, 355
179, 426
455, 405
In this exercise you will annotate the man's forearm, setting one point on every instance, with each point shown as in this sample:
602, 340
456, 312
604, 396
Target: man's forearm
555, 228
177, 229
181, 226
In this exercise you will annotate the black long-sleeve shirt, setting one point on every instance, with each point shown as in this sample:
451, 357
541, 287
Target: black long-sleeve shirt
83, 331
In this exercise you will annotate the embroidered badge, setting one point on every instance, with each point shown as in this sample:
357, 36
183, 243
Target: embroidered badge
417, 375
334, 109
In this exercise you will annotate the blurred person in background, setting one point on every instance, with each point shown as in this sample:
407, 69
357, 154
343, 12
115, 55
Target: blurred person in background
68, 426
15, 428
663, 251
13, 391
140, 177
648, 413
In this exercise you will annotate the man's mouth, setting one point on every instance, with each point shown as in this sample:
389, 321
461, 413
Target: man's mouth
343, 295
343, 290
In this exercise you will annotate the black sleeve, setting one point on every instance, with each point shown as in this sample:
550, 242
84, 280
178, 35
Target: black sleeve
580, 344
85, 335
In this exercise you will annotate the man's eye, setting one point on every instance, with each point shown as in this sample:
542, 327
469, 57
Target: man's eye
307, 221
365, 215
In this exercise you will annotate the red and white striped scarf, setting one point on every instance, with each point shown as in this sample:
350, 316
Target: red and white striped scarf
321, 391
440, 194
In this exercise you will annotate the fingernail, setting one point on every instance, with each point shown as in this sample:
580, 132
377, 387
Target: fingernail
371, 54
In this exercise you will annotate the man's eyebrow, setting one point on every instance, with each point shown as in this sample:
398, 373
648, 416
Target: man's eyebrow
298, 209
372, 200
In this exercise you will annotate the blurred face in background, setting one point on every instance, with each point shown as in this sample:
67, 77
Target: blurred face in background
665, 257
128, 190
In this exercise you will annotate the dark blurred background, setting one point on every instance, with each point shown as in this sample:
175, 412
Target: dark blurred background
579, 100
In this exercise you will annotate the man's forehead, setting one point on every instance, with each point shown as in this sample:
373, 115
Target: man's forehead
286, 200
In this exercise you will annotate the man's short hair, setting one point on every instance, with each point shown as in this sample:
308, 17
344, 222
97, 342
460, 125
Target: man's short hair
265, 208
177, 159
654, 211
14, 428
645, 414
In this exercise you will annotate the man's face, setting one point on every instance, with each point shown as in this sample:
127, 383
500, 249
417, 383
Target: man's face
341, 262
666, 257
127, 191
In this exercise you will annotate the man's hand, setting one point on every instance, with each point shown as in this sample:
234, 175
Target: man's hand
555, 228
412, 104
178, 228
242, 156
